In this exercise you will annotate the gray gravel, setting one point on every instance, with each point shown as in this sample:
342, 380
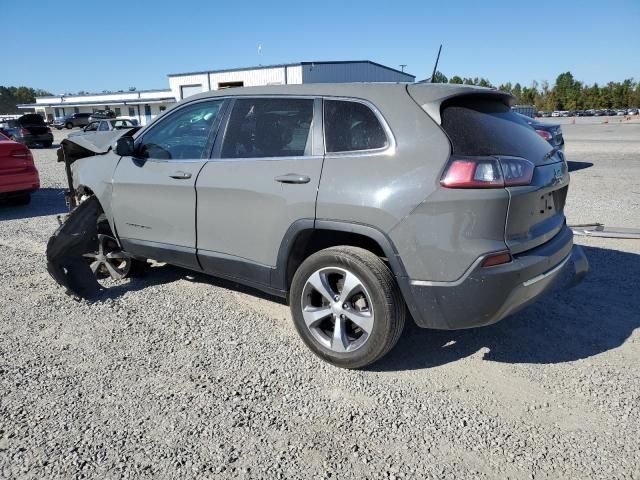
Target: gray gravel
177, 375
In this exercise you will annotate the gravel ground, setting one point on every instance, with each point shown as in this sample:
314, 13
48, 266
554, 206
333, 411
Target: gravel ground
177, 375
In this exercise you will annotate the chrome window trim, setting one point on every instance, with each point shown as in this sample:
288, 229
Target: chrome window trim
267, 159
389, 149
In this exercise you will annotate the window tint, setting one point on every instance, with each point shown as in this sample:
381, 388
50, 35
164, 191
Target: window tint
183, 134
92, 127
480, 126
269, 127
351, 126
104, 126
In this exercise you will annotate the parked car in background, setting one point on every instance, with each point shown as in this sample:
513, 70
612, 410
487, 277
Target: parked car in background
551, 132
358, 216
556, 113
18, 174
621, 112
589, 113
545, 114
98, 126
632, 111
29, 129
73, 120
102, 114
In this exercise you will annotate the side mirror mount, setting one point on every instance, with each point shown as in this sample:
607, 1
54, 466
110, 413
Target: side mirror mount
125, 147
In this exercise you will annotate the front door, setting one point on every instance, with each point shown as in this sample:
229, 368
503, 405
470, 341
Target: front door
264, 176
154, 197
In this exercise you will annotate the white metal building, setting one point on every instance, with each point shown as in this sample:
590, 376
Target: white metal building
145, 105
183, 85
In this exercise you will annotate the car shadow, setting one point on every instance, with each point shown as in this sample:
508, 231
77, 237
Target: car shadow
575, 166
45, 201
596, 316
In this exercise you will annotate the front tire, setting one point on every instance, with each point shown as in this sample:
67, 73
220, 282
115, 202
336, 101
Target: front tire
69, 125
346, 306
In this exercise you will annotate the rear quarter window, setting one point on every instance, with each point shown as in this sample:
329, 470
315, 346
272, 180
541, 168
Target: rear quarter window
352, 126
481, 126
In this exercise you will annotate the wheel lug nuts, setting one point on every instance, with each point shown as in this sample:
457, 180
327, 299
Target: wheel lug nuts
345, 306
336, 298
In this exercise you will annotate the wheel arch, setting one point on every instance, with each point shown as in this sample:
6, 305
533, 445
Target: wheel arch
305, 237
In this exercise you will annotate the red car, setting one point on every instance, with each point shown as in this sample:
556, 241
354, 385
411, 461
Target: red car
18, 174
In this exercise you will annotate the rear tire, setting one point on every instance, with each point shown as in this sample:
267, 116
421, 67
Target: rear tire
357, 313
48, 145
69, 125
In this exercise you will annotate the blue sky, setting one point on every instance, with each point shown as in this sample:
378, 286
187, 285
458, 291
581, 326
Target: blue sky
67, 46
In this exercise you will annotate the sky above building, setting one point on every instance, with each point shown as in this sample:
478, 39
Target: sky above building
93, 46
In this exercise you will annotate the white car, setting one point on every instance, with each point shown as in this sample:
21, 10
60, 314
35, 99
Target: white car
555, 113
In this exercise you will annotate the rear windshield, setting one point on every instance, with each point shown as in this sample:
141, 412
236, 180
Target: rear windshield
31, 120
480, 126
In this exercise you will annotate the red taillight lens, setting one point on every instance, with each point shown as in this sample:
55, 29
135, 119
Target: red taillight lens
487, 172
544, 134
23, 153
494, 259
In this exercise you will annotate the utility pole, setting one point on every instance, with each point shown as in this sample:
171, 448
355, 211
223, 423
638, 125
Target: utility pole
402, 65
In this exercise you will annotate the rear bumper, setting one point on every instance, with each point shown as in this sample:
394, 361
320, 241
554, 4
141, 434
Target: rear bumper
42, 139
19, 183
486, 295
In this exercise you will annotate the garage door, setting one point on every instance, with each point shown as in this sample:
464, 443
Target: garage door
188, 90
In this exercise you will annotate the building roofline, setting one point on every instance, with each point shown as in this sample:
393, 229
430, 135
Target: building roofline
130, 101
108, 93
281, 65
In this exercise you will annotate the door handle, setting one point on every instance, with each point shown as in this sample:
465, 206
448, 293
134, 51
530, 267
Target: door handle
293, 178
181, 175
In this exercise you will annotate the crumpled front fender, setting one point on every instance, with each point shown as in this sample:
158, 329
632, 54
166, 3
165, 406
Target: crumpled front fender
76, 236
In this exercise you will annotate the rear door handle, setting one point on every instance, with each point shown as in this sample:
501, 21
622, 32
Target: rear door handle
181, 175
292, 178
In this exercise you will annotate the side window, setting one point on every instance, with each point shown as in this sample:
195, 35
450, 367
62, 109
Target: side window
351, 126
183, 134
92, 127
104, 127
269, 127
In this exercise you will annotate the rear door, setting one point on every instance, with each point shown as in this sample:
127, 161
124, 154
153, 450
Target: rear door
154, 197
265, 177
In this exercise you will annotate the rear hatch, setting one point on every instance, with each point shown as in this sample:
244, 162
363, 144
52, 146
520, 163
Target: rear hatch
34, 124
483, 126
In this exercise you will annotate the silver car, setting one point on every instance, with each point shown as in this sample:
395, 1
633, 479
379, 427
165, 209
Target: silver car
106, 125
359, 204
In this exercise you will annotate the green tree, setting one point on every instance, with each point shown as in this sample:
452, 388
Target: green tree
439, 77
456, 79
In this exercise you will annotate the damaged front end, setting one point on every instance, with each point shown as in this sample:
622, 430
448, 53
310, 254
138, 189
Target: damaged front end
83, 249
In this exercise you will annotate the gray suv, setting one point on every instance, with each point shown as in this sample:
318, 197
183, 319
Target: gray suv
359, 204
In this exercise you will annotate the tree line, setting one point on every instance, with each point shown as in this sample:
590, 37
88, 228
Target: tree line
11, 97
566, 93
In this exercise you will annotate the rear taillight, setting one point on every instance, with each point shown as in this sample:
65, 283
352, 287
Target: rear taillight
544, 134
487, 172
23, 153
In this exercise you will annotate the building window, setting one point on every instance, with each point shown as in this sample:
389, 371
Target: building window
132, 112
118, 111
56, 112
162, 108
76, 110
222, 85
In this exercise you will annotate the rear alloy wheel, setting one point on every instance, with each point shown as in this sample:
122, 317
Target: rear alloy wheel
347, 306
69, 125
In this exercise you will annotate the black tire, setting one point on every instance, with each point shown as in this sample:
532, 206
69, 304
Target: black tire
69, 125
48, 145
386, 299
21, 200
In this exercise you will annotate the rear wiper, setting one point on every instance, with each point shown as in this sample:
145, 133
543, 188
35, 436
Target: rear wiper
551, 153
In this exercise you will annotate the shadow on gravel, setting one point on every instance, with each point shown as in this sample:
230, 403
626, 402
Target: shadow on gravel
575, 166
594, 317
46, 201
